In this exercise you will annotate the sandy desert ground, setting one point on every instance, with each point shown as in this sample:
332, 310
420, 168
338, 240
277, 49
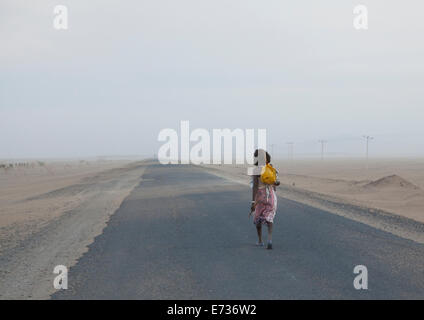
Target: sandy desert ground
50, 212
393, 186
30, 196
33, 194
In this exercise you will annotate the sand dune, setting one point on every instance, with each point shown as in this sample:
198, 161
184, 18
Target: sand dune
391, 182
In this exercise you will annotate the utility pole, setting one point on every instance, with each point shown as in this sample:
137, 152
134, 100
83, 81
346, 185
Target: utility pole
322, 148
367, 138
290, 150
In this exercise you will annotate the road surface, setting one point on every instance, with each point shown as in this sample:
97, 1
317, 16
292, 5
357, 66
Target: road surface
185, 234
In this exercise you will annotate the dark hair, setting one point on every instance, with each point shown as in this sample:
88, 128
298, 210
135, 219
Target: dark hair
267, 156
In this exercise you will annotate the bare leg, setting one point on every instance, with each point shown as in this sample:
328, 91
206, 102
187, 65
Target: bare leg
259, 231
269, 245
270, 224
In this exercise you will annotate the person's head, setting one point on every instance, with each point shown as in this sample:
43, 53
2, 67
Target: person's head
261, 153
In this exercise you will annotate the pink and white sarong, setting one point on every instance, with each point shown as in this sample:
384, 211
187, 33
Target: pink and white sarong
266, 205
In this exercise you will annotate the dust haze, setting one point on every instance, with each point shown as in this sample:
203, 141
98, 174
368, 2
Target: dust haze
125, 70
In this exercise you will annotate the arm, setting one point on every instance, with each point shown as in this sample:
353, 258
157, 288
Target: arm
277, 183
254, 191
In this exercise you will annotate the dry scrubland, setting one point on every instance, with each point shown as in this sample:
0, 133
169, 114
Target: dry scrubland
393, 185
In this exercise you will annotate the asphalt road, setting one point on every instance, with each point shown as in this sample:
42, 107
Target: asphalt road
185, 234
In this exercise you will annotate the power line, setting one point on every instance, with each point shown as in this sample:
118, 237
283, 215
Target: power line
323, 142
367, 138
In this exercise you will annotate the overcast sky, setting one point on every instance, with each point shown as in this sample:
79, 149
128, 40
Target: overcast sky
124, 70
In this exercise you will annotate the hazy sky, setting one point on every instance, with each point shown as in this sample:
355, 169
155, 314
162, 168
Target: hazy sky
124, 70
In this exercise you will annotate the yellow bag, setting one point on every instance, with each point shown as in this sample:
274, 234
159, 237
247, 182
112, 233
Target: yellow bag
268, 174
